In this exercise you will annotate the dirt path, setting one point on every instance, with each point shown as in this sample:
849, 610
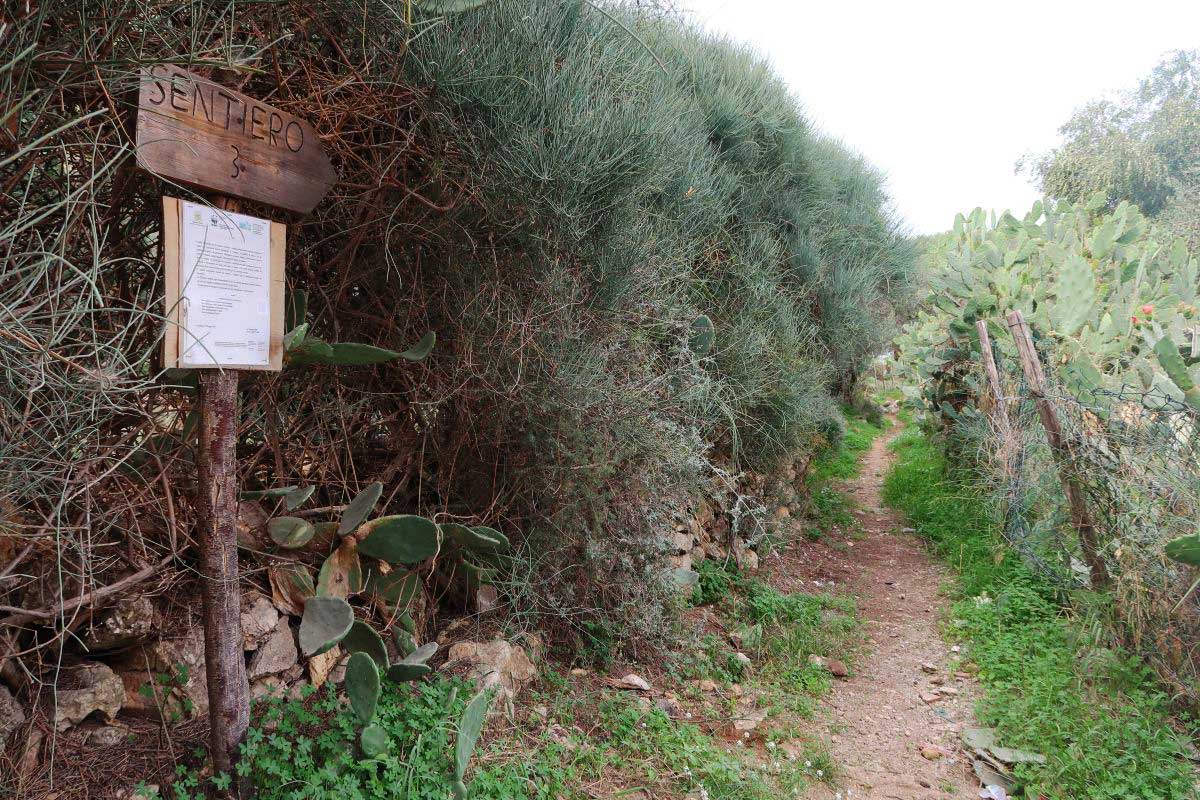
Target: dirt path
893, 705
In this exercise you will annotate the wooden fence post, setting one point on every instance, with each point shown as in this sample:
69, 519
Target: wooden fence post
1081, 519
1000, 408
1000, 416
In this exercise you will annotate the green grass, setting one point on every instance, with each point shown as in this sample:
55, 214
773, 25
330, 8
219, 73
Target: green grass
829, 508
659, 750
845, 460
778, 631
1104, 727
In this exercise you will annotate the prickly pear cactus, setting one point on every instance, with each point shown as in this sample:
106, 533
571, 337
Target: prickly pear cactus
400, 539
359, 508
362, 686
374, 741
1185, 550
702, 335
1076, 296
469, 728
362, 638
1177, 370
413, 667
325, 622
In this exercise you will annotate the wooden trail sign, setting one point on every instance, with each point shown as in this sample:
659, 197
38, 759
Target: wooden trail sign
195, 131
192, 130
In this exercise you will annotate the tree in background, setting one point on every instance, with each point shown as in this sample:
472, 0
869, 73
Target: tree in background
1140, 147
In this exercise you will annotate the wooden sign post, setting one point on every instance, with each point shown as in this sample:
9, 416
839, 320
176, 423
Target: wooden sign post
199, 133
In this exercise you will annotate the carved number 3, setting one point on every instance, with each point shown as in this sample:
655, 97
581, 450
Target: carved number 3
237, 167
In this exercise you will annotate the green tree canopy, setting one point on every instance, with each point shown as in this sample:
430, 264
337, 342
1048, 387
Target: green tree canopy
1141, 146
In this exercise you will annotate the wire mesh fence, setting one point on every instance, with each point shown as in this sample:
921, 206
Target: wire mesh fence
1135, 453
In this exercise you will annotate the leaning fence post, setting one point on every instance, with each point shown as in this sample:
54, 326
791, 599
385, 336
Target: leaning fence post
1081, 519
1000, 416
999, 407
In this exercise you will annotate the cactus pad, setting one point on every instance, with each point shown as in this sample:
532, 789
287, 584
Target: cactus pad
400, 539
326, 621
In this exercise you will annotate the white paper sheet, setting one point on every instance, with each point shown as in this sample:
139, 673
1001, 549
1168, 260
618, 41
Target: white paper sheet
225, 288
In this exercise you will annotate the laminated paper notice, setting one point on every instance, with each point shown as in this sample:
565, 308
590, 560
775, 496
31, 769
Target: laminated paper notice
225, 288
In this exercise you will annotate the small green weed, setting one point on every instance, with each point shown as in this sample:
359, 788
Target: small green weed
161, 692
599, 643
831, 510
681, 756
713, 660
717, 580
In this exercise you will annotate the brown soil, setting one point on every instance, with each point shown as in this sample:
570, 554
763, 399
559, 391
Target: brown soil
877, 722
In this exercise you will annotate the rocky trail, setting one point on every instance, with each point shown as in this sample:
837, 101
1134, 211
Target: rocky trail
894, 725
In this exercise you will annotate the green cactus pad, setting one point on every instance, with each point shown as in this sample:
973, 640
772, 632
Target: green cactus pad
290, 532
1185, 550
362, 638
326, 621
295, 337
1177, 370
359, 508
262, 494
702, 334
402, 673
353, 354
1076, 296
448, 6
396, 590
479, 538
421, 654
298, 497
341, 354
469, 728
421, 349
490, 540
400, 539
310, 351
362, 686
403, 640
374, 741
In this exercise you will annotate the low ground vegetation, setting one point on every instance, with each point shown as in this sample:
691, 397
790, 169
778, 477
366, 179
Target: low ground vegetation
1055, 682
572, 735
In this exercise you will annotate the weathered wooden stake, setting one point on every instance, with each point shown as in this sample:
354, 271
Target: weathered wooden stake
1008, 442
1081, 519
224, 659
1000, 410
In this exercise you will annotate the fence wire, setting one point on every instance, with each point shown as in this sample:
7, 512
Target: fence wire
1135, 453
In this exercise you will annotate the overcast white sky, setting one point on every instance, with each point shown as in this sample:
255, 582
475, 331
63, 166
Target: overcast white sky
946, 96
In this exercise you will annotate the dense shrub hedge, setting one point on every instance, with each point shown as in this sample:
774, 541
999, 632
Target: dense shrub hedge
558, 189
